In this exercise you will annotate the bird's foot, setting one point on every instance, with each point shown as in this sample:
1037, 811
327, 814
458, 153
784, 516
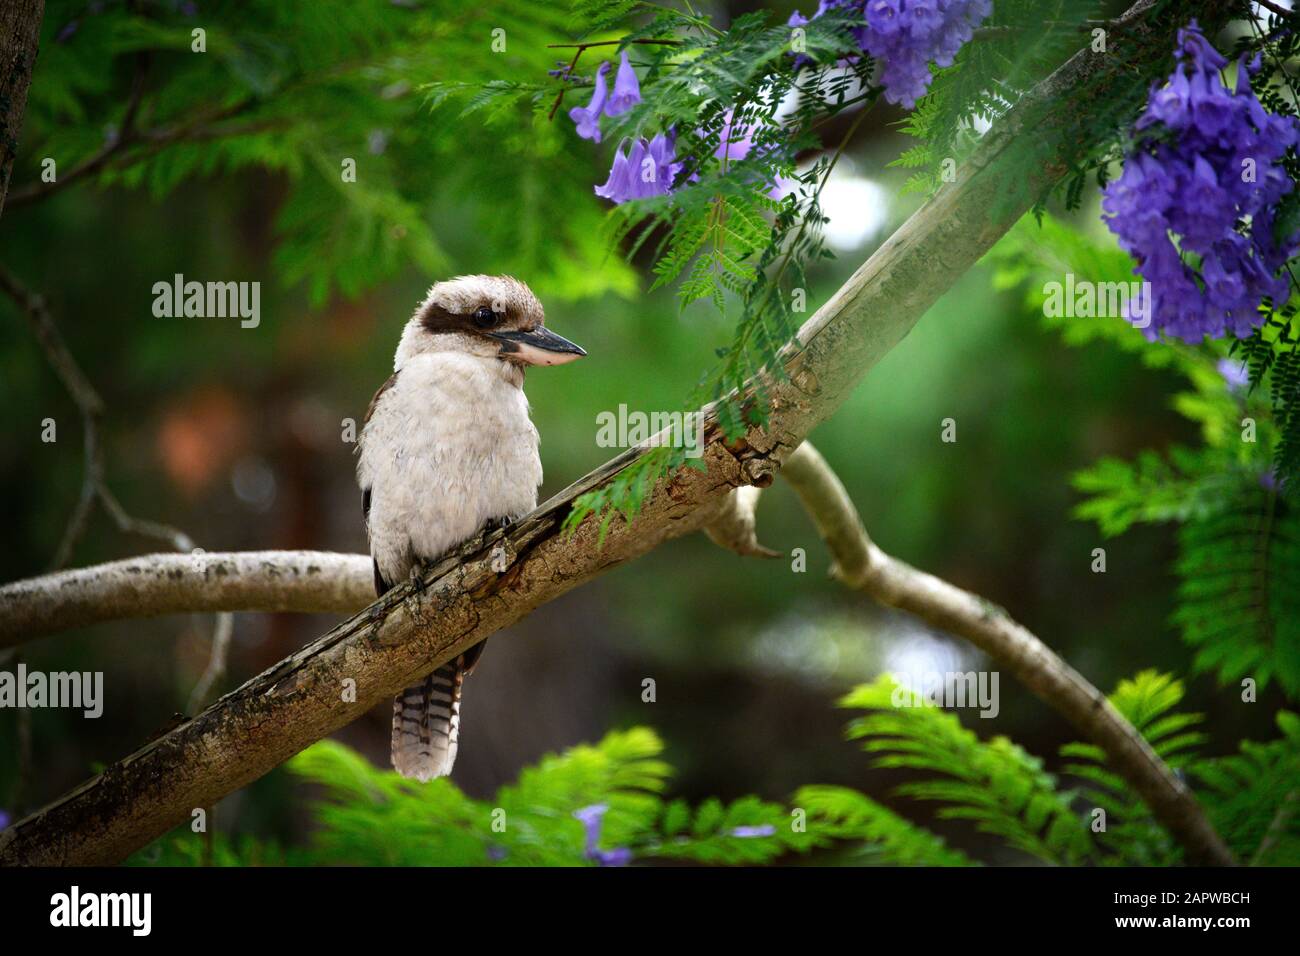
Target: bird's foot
419, 570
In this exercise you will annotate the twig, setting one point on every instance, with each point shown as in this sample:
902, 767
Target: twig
564, 88
94, 488
216, 668
125, 135
1277, 826
578, 49
587, 46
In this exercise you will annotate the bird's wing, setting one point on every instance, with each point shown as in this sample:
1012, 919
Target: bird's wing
374, 402
370, 411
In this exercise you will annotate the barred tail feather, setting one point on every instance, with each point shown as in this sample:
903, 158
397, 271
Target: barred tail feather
426, 723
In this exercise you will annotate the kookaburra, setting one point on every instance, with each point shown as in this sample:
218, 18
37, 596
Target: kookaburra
446, 451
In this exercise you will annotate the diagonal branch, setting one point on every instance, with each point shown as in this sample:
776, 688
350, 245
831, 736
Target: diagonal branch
461, 601
861, 565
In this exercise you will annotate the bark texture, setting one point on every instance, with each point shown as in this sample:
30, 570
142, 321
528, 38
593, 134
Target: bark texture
20, 33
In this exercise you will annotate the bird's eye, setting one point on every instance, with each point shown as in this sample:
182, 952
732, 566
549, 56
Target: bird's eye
484, 317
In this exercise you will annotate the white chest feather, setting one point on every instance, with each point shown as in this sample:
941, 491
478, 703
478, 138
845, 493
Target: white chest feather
448, 447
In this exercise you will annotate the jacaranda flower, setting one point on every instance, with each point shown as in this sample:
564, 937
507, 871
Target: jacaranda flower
587, 118
591, 818
906, 36
1195, 202
627, 91
647, 169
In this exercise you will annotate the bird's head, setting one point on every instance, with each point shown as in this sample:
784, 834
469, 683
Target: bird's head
486, 316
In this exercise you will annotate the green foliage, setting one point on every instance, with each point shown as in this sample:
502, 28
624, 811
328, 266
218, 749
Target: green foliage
1274, 359
1019, 44
190, 849
1239, 590
890, 840
1131, 837
306, 87
1254, 796
994, 783
367, 816
1238, 538
1251, 797
373, 817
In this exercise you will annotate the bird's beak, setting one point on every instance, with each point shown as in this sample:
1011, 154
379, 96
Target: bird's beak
538, 347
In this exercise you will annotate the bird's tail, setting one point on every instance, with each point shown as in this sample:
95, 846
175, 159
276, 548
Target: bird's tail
426, 720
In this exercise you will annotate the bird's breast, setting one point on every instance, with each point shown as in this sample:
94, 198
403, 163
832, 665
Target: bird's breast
449, 446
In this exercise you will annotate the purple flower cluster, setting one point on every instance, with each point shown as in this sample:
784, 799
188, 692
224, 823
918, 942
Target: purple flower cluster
906, 36
1208, 174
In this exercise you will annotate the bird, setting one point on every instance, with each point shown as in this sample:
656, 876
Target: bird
448, 450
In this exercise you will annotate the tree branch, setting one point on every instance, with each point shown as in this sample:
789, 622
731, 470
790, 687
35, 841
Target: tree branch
861, 565
154, 585
461, 601
20, 34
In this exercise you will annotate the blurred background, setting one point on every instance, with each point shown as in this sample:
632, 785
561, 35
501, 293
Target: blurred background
236, 435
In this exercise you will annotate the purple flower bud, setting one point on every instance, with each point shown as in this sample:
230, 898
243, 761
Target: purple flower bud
627, 91
5, 819
764, 830
588, 119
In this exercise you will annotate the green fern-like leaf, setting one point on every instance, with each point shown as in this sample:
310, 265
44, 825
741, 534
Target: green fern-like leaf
994, 783
1131, 836
887, 839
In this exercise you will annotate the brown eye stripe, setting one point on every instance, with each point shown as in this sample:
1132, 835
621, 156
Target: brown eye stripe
436, 319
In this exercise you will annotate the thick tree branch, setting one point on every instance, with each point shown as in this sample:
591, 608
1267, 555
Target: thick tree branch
461, 601
861, 565
158, 584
